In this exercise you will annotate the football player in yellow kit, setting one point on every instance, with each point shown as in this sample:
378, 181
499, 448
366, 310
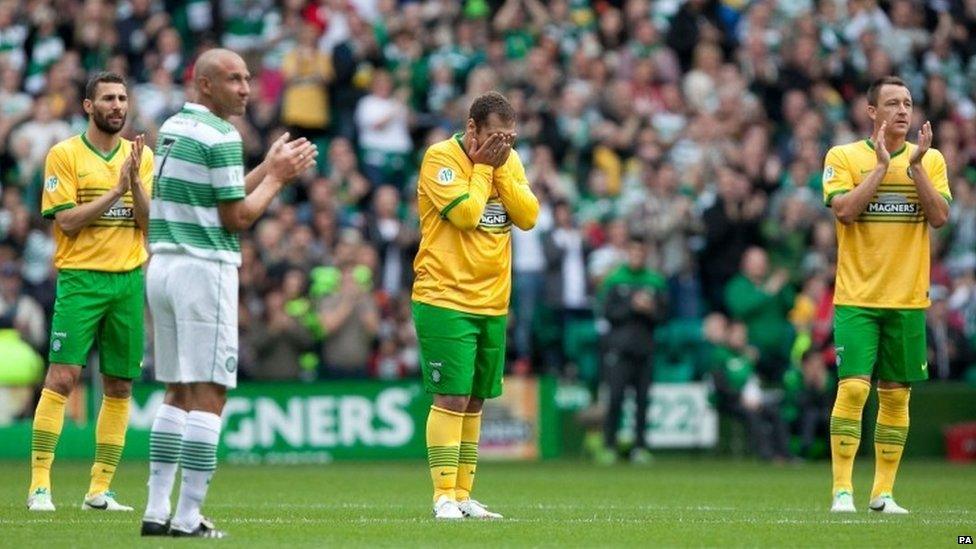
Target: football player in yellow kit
96, 189
885, 193
472, 190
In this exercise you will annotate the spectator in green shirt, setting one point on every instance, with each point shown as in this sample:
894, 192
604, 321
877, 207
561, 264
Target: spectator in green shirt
762, 301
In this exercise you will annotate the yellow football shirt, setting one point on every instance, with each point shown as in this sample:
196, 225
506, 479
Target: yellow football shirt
883, 257
76, 173
469, 270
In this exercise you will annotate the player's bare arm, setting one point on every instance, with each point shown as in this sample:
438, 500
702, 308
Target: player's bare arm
848, 206
73, 220
934, 205
285, 161
140, 198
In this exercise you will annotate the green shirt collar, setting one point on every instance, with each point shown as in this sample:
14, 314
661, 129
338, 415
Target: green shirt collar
900, 150
106, 157
459, 137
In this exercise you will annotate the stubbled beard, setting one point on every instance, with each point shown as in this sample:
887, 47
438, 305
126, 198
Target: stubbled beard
102, 123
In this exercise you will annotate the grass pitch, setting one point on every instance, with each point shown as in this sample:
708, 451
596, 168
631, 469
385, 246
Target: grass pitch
692, 501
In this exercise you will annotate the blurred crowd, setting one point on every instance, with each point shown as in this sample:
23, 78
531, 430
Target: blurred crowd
700, 125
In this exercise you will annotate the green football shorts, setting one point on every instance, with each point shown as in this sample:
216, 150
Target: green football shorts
892, 338
104, 307
460, 353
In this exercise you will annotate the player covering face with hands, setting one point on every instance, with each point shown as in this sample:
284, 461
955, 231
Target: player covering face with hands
472, 190
201, 202
885, 193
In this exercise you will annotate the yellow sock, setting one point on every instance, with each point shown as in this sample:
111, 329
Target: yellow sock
468, 458
113, 419
443, 446
48, 421
845, 430
890, 435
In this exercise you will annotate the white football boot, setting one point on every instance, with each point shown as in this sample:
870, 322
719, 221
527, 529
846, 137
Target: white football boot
843, 502
103, 502
886, 504
447, 509
475, 510
40, 500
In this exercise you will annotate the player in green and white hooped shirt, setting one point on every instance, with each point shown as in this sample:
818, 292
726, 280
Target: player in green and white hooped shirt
201, 200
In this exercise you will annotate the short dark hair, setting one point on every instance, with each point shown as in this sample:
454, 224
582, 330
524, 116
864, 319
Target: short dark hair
488, 103
99, 78
875, 89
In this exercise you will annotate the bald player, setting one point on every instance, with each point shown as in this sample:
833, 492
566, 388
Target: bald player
200, 201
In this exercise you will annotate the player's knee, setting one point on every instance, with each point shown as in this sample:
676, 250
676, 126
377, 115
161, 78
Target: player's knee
219, 401
62, 378
212, 403
178, 396
852, 394
116, 387
855, 390
894, 400
474, 405
453, 403
208, 397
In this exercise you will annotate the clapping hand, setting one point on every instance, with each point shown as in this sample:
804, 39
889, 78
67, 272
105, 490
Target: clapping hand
286, 160
880, 150
129, 174
135, 157
924, 142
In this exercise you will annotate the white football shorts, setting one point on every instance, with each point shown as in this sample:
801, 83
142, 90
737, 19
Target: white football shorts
193, 303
